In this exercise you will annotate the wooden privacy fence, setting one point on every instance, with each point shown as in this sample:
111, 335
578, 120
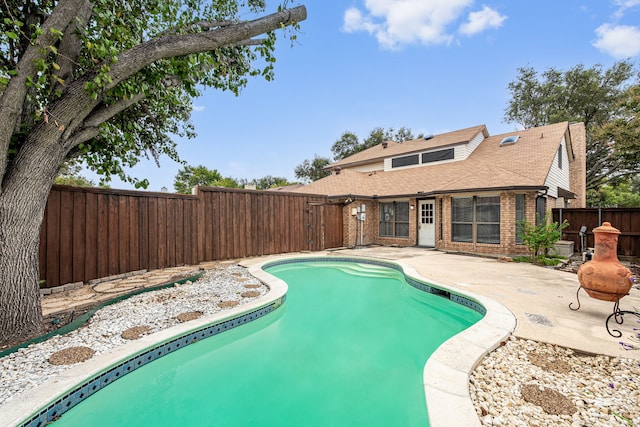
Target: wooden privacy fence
627, 220
88, 233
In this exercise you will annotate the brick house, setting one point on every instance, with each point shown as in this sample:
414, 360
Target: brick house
458, 191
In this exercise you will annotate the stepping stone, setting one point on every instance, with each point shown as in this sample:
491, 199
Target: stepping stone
135, 332
252, 286
227, 304
551, 401
71, 355
189, 315
250, 294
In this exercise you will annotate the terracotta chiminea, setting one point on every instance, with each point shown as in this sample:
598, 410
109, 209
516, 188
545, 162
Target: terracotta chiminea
604, 277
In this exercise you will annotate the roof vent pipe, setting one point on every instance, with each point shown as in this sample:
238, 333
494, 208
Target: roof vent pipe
337, 170
384, 144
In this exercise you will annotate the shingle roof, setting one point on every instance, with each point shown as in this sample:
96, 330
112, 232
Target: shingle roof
490, 166
378, 152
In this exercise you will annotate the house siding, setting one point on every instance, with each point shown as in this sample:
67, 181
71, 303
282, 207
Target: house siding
472, 145
559, 177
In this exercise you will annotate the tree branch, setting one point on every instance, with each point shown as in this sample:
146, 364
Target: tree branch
76, 104
106, 112
91, 125
71, 45
144, 54
12, 99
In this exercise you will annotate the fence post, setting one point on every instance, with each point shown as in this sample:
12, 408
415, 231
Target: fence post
599, 217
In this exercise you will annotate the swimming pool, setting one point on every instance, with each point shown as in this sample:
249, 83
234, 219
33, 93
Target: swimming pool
348, 348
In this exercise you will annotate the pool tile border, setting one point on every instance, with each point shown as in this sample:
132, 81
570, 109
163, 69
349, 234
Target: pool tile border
92, 386
445, 374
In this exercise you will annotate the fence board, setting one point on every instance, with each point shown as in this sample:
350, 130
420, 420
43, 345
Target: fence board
79, 230
134, 235
52, 266
66, 237
112, 233
91, 237
144, 233
123, 234
103, 235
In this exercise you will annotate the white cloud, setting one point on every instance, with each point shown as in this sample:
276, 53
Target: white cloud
199, 108
623, 5
618, 41
482, 20
398, 22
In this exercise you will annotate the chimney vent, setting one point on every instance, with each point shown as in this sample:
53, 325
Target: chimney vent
337, 170
384, 144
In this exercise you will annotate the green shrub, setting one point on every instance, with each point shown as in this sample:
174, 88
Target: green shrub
540, 238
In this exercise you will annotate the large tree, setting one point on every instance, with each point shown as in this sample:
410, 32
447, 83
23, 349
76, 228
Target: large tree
190, 176
594, 96
312, 170
107, 80
348, 144
269, 181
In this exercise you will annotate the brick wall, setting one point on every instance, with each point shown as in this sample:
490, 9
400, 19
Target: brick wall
412, 240
578, 165
370, 226
507, 227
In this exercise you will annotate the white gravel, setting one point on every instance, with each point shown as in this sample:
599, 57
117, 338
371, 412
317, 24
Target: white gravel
604, 390
29, 367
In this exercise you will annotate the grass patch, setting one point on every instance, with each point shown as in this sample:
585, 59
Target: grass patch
549, 260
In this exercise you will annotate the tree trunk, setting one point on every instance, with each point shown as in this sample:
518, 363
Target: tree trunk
23, 199
20, 310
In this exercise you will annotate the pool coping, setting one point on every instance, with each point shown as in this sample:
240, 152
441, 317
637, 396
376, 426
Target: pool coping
445, 375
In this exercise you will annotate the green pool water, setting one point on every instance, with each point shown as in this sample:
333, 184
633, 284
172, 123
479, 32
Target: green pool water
346, 349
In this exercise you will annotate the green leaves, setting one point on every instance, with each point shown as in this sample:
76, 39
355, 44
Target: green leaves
166, 86
540, 238
588, 95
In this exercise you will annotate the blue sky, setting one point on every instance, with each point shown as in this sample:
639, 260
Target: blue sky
429, 65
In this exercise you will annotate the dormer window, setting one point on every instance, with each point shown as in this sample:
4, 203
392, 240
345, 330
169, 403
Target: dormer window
509, 140
405, 161
437, 156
